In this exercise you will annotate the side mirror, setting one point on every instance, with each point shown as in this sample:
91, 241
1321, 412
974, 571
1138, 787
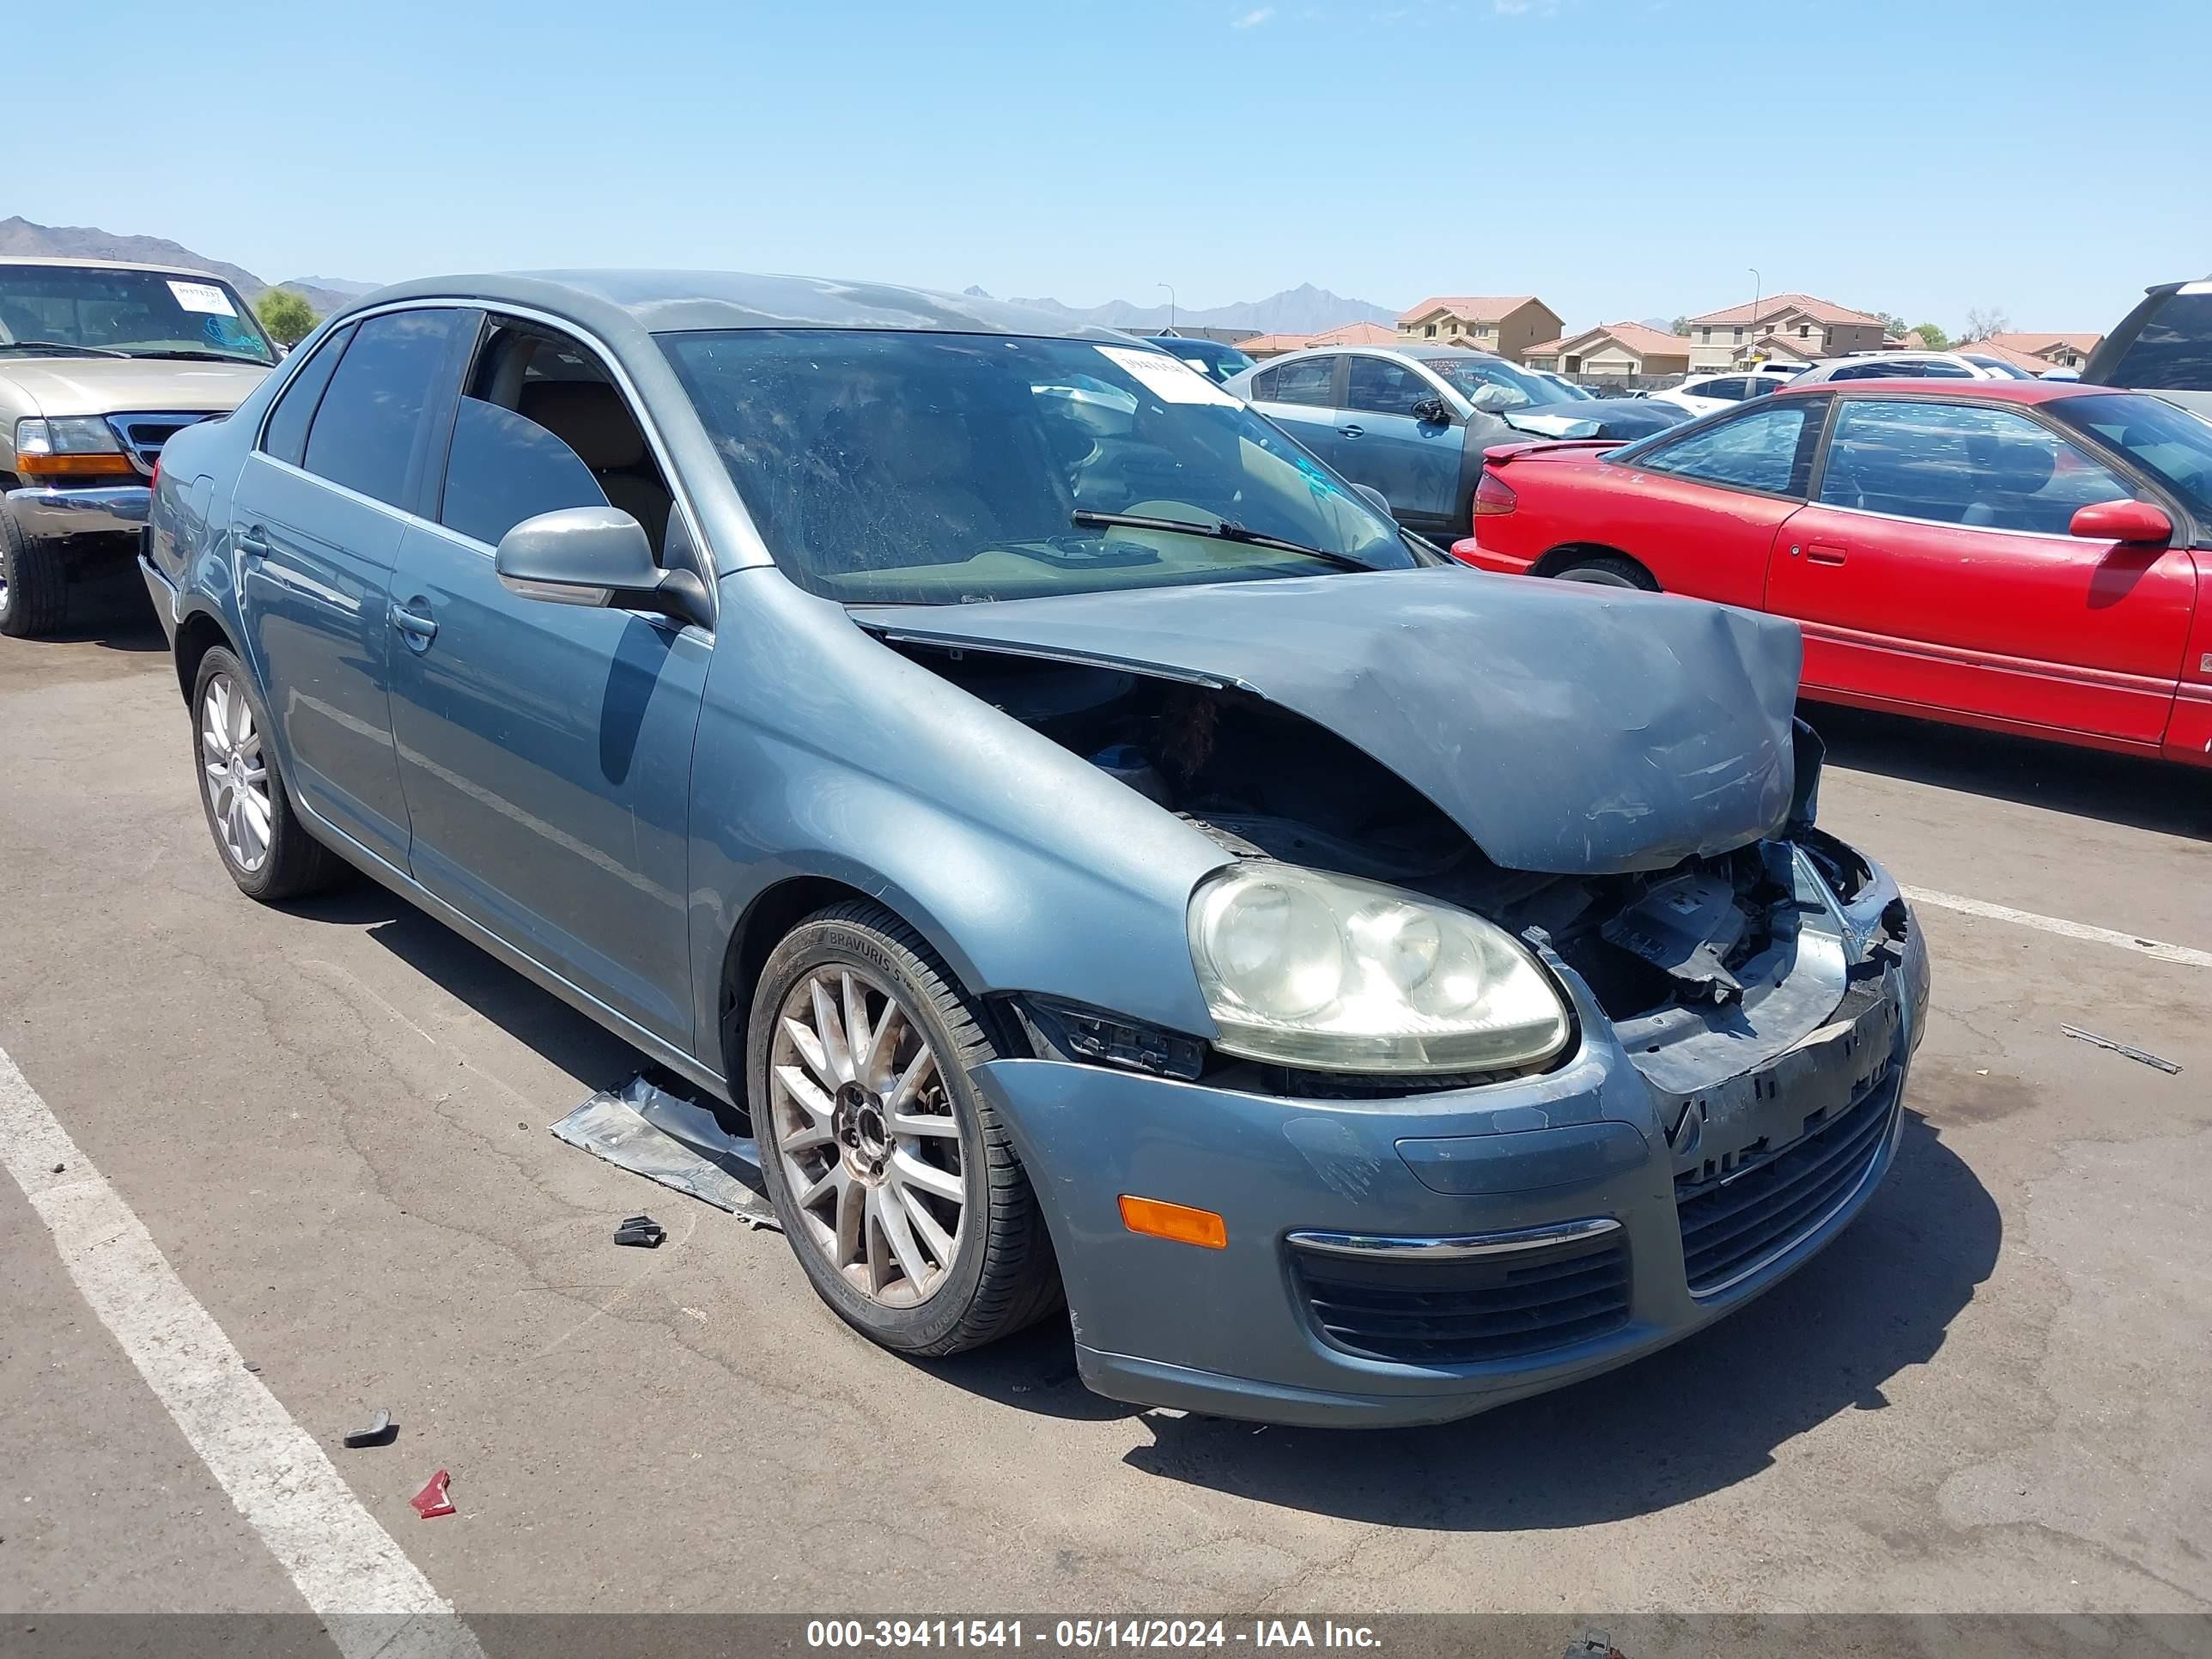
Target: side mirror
1494, 399
597, 556
1432, 411
1374, 497
2122, 521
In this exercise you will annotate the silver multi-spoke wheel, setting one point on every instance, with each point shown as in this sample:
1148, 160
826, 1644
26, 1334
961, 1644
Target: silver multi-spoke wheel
237, 773
869, 1145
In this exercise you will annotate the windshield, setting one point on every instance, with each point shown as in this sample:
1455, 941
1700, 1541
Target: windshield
886, 467
1999, 366
1217, 362
135, 314
1468, 376
2171, 444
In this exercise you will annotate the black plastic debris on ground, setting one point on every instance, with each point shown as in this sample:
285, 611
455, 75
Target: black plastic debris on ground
679, 1142
642, 1230
381, 1432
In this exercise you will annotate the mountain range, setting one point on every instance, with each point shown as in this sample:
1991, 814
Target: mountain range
1304, 309
19, 236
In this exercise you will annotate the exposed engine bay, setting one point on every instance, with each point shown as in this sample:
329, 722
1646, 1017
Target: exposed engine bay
1264, 782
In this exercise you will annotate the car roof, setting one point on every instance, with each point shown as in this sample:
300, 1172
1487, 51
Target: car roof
69, 263
1920, 385
661, 301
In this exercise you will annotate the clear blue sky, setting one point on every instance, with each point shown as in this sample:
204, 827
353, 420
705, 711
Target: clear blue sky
1621, 158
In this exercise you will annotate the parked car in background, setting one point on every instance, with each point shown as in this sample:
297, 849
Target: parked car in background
2028, 555
2164, 345
1212, 358
1703, 394
1574, 391
1411, 422
1911, 365
101, 363
1104, 857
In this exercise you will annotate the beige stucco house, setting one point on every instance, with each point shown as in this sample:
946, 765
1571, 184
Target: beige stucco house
1794, 327
1506, 324
2047, 350
1621, 348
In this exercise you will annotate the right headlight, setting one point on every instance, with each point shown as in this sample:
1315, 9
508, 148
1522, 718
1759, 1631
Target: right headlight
1334, 974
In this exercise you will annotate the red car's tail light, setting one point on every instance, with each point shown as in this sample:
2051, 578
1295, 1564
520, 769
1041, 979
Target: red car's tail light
1493, 496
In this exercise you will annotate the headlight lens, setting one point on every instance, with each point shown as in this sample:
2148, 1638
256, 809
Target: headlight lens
79, 435
1335, 974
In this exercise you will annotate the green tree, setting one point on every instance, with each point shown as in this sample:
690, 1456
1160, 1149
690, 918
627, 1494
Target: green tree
286, 315
1682, 326
1892, 323
1936, 339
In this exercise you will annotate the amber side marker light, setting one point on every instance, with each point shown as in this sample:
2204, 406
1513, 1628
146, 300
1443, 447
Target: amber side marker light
75, 466
1159, 1219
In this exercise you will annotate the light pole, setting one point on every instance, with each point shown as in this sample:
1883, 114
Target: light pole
1171, 314
1757, 283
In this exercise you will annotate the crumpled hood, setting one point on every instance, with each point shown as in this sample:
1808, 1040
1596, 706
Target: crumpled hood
116, 386
1565, 727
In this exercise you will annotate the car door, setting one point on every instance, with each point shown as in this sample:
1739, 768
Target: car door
1301, 396
316, 518
1701, 511
1416, 463
1935, 570
546, 749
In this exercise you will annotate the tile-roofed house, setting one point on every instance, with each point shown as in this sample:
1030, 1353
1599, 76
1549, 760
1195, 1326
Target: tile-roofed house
1274, 346
1812, 327
1623, 349
2050, 351
1507, 324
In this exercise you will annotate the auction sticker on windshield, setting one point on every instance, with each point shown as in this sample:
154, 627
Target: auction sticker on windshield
203, 297
1166, 378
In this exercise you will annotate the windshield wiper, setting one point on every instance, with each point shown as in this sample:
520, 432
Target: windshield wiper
59, 345
199, 356
1226, 531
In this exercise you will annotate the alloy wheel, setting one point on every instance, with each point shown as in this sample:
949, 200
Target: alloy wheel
237, 774
868, 1139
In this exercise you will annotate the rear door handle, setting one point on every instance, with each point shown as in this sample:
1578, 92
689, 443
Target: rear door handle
1351, 431
418, 628
1825, 552
251, 543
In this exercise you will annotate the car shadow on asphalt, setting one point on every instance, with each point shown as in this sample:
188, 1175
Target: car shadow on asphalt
1693, 1419
2123, 789
110, 611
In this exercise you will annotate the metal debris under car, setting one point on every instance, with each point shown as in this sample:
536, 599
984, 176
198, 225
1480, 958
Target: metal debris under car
679, 1143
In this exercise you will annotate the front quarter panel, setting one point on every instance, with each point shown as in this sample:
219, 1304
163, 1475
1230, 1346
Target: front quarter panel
822, 752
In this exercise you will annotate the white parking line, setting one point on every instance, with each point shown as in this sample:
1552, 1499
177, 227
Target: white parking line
373, 1600
2188, 956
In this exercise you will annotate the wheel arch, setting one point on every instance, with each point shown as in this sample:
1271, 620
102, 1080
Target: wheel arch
1566, 553
198, 632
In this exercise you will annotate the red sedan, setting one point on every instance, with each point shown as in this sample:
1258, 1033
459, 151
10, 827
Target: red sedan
2028, 555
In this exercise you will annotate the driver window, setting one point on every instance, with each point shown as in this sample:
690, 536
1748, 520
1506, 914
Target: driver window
1383, 385
540, 427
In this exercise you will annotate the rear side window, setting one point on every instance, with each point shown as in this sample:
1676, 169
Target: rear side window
1309, 381
286, 435
1731, 390
1768, 448
366, 429
2172, 350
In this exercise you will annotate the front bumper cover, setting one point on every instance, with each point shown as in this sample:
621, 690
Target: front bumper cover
48, 515
1235, 1332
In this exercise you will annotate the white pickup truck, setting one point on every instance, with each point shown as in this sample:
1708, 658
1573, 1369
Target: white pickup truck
100, 363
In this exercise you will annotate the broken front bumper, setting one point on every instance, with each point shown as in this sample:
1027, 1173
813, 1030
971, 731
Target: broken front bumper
1414, 1259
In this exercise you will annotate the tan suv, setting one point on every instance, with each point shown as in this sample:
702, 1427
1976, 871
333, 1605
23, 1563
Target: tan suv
100, 363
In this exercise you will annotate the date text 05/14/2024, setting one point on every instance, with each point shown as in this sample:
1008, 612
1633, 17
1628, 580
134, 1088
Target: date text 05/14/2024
1087, 1635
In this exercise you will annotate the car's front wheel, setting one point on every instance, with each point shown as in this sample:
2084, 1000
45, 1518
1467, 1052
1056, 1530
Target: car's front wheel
895, 1181
34, 583
266, 849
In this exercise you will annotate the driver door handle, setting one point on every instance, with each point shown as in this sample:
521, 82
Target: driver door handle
251, 542
1351, 431
419, 628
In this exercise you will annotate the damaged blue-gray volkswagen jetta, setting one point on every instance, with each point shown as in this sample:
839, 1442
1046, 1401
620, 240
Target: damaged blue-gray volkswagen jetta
1108, 861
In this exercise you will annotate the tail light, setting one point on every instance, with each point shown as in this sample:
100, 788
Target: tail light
1493, 496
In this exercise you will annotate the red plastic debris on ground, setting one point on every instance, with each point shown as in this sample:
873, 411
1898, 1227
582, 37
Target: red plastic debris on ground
431, 1502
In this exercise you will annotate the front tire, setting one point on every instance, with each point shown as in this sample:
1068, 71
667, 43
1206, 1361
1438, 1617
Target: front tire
257, 834
34, 583
895, 1181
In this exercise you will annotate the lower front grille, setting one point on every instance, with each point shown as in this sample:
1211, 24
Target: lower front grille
1469, 1310
1733, 1225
